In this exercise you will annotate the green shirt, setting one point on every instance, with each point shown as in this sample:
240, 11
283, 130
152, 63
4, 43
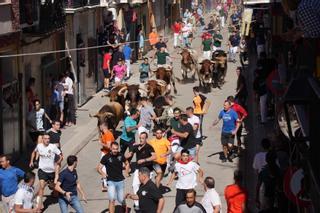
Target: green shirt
217, 43
162, 57
207, 45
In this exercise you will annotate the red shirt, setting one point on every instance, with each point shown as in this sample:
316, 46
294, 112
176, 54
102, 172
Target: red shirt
106, 58
176, 28
242, 113
236, 198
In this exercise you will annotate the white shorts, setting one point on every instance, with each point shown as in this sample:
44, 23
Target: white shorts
117, 80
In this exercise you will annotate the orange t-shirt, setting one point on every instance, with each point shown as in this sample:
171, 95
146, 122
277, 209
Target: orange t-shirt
160, 147
197, 105
236, 198
153, 38
106, 138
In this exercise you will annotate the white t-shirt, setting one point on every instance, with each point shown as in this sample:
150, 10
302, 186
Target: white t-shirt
47, 154
210, 199
185, 31
259, 161
69, 84
24, 196
195, 120
187, 174
39, 119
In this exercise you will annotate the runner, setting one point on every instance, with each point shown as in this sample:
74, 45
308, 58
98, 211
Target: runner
144, 70
176, 28
234, 42
242, 114
129, 129
68, 186
9, 180
162, 149
147, 115
199, 101
186, 136
23, 199
187, 171
153, 37
127, 52
211, 200
106, 139
47, 168
206, 43
149, 196
217, 40
162, 56
229, 129
119, 72
195, 123
235, 195
107, 69
114, 162
145, 155
35, 120
190, 205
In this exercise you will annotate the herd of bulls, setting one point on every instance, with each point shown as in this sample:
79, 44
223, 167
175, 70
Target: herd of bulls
124, 96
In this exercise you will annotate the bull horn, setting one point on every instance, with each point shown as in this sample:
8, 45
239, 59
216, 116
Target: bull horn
122, 90
161, 82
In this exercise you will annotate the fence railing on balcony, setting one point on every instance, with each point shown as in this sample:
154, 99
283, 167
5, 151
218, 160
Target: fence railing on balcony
73, 4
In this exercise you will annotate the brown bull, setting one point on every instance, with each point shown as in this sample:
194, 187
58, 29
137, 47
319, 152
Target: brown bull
133, 93
115, 96
188, 64
220, 59
205, 75
111, 113
156, 88
166, 74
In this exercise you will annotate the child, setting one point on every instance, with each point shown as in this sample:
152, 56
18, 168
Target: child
119, 71
144, 70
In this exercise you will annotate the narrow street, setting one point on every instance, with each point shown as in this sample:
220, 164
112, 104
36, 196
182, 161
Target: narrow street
212, 166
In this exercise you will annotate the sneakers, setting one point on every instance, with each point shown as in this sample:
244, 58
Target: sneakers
224, 160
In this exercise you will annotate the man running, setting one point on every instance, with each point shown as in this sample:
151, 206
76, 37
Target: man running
195, 123
229, 129
162, 149
242, 114
187, 171
186, 135
129, 129
47, 154
9, 180
68, 186
190, 205
147, 115
162, 56
145, 155
114, 163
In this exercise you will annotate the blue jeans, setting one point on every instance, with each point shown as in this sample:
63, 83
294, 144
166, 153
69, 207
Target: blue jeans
192, 151
186, 41
74, 202
116, 191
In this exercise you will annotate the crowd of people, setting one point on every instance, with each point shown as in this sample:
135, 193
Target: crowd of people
173, 151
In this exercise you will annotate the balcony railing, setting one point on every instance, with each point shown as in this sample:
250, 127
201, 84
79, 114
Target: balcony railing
76, 4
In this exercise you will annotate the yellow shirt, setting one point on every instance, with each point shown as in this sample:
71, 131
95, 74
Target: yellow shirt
160, 147
197, 105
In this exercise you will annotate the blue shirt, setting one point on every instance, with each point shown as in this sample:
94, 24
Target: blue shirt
128, 136
127, 52
68, 180
229, 120
9, 179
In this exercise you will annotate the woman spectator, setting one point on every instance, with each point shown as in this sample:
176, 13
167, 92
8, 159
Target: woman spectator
241, 90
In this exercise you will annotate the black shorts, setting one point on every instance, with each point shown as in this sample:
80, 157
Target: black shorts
199, 141
227, 138
157, 166
106, 73
45, 176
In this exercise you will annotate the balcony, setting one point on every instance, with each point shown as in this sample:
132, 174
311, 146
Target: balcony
39, 18
5, 19
73, 5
